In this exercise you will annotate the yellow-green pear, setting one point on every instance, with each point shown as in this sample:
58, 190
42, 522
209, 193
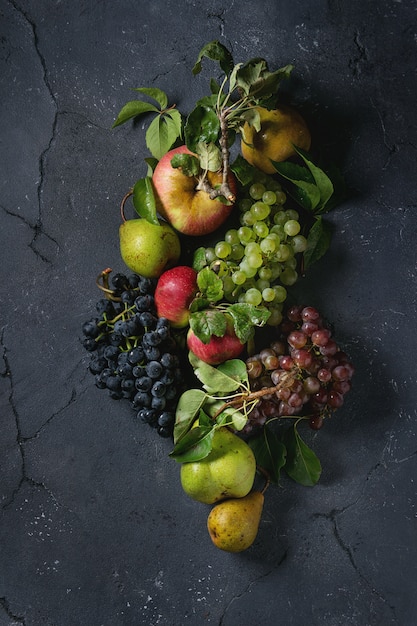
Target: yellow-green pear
228, 471
233, 524
148, 249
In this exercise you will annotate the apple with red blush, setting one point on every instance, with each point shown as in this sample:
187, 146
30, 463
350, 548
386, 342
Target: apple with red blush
218, 349
174, 292
180, 200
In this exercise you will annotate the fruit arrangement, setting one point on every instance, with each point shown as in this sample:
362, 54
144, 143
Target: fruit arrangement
201, 333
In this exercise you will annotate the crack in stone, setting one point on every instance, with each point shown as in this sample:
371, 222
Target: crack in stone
362, 56
6, 607
393, 148
249, 585
20, 440
332, 518
37, 228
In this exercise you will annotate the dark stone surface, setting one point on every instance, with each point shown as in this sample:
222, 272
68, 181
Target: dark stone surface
94, 527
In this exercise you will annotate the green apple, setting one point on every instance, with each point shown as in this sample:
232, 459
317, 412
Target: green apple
228, 471
148, 249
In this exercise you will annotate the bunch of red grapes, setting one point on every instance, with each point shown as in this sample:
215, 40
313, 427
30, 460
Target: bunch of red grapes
304, 368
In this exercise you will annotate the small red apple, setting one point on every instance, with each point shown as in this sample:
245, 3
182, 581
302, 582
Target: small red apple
218, 349
189, 210
174, 292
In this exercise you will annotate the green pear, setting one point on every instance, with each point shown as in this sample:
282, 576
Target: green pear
233, 524
148, 249
228, 471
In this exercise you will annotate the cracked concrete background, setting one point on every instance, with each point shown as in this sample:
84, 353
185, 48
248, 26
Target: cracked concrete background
94, 527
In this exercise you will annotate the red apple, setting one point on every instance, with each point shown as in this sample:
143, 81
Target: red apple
174, 292
188, 210
218, 349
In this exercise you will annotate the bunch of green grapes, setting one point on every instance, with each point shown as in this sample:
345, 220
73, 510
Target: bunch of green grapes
258, 261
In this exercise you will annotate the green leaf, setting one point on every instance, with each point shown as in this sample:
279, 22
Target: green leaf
245, 317
210, 285
152, 163
257, 81
155, 93
189, 164
318, 241
236, 369
199, 258
216, 52
195, 445
302, 464
308, 193
199, 304
210, 156
323, 182
162, 133
270, 452
188, 407
132, 109
144, 200
202, 124
243, 171
206, 323
232, 417
220, 380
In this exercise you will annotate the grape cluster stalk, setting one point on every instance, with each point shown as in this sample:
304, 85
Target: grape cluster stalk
133, 352
304, 368
258, 261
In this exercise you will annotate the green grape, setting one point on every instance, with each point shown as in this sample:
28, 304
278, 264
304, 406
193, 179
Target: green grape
238, 277
280, 218
245, 204
292, 214
253, 296
238, 252
245, 234
268, 245
210, 255
269, 197
275, 317
291, 262
260, 210
261, 229
257, 190
231, 236
268, 294
220, 267
254, 260
281, 197
280, 293
278, 230
283, 253
249, 271
228, 284
276, 269
251, 247
247, 219
265, 273
222, 249
292, 228
288, 276
299, 243
262, 285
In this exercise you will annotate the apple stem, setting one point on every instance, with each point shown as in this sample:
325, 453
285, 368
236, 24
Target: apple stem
123, 202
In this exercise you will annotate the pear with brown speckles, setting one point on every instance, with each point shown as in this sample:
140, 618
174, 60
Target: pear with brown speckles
233, 524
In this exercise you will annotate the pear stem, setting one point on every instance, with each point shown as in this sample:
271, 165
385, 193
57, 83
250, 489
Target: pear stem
266, 476
123, 202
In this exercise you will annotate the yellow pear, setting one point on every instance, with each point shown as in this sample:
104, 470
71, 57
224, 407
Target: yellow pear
228, 471
233, 524
280, 129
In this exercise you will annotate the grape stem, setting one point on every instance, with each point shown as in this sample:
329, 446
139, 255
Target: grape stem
249, 396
